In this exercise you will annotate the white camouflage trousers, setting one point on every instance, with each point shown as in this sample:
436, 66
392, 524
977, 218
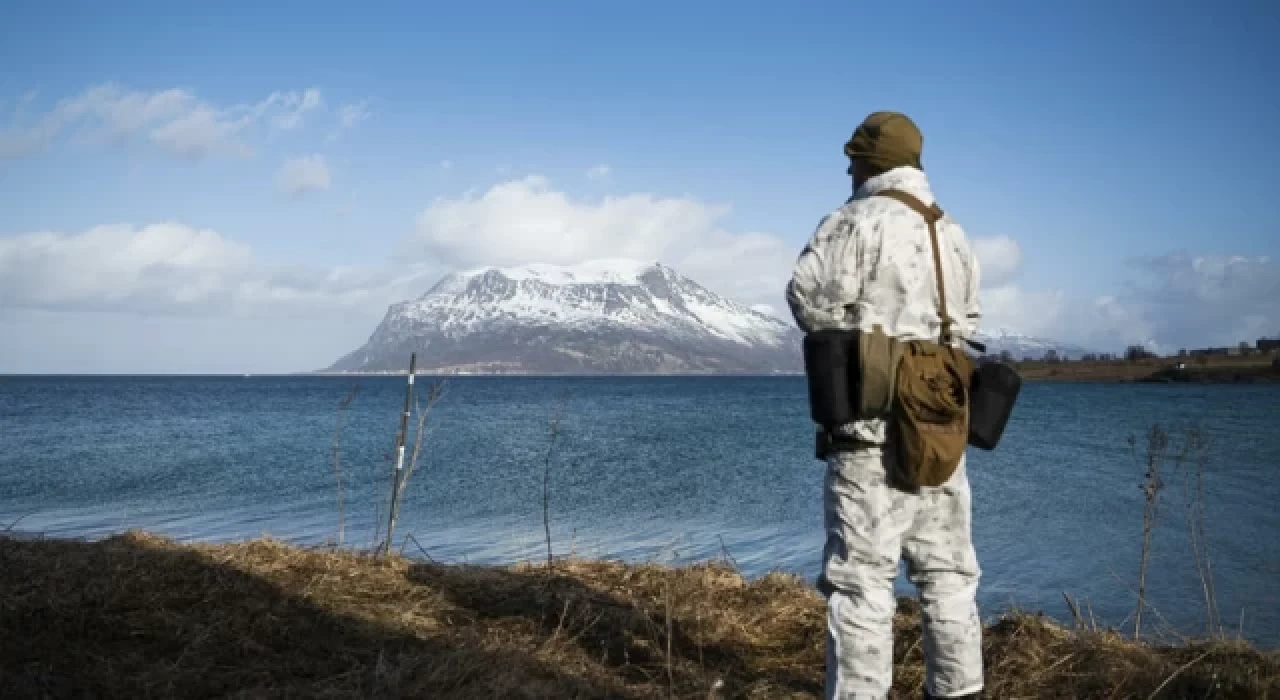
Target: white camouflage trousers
869, 525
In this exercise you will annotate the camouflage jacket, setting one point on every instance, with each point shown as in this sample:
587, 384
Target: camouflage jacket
870, 263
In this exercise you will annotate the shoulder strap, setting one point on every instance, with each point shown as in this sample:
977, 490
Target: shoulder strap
931, 214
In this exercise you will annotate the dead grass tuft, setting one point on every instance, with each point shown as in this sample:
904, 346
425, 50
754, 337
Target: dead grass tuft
141, 616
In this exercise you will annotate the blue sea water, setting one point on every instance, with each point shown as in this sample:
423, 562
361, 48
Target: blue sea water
667, 469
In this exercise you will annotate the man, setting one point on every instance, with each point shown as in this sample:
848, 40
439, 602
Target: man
871, 263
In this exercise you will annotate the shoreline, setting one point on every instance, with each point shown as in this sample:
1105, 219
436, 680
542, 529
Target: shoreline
1245, 370
140, 615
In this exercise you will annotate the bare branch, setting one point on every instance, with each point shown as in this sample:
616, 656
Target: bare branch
546, 475
337, 468
1157, 444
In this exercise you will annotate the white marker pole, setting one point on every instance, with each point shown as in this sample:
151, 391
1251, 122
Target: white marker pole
400, 440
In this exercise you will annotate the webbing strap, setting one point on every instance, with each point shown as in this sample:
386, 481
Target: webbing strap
931, 214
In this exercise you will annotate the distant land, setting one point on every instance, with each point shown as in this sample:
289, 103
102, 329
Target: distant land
1257, 368
606, 317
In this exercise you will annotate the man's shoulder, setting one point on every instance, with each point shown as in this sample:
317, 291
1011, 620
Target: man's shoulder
853, 213
836, 222
865, 206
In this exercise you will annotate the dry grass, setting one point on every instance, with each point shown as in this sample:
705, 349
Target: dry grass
137, 616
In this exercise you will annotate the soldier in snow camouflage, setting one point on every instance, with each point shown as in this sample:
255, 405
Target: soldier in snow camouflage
869, 263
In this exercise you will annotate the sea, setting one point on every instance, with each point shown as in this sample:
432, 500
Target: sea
664, 469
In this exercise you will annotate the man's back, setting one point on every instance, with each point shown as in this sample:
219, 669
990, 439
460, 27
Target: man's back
870, 263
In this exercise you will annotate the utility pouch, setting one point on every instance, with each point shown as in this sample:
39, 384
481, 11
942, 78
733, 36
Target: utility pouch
850, 374
992, 393
878, 358
931, 387
830, 366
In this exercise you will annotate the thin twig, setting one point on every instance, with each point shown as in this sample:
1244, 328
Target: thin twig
434, 394
666, 596
1075, 611
1059, 662
419, 546
906, 654
20, 519
559, 625
377, 519
1184, 667
725, 549
1199, 446
1157, 442
546, 478
337, 461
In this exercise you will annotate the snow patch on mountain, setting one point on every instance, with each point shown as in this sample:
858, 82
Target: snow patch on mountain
605, 271
1025, 347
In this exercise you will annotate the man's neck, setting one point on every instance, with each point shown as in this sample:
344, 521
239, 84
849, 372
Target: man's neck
904, 178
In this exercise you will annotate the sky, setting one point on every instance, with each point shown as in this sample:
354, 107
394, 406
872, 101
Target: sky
244, 187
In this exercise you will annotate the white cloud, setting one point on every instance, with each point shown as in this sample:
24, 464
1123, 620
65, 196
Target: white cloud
527, 220
1010, 307
298, 176
348, 116
999, 258
1175, 301
598, 173
352, 114
22, 141
295, 108
446, 165
174, 269
1188, 300
174, 120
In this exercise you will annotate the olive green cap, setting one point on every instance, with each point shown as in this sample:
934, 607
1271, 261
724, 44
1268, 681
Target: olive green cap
886, 140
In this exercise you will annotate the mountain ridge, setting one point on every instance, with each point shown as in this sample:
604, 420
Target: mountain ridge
612, 316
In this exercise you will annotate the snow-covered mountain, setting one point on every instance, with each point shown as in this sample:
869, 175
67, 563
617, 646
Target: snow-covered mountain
607, 316
1025, 347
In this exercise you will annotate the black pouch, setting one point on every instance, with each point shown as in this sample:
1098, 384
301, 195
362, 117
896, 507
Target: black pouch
831, 365
992, 393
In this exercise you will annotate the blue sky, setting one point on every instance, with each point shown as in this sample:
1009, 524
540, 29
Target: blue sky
1116, 163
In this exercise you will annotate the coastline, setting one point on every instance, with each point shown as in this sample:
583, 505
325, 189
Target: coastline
1258, 369
139, 615
1255, 369
1244, 370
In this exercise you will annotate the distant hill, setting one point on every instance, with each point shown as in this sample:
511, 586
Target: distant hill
609, 316
1025, 347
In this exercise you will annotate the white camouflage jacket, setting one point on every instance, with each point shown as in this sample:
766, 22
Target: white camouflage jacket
870, 263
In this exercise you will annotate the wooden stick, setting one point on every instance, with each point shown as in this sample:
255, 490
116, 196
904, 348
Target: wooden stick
399, 466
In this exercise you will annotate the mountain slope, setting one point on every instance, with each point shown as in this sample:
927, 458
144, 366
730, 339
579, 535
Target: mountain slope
1025, 347
609, 316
